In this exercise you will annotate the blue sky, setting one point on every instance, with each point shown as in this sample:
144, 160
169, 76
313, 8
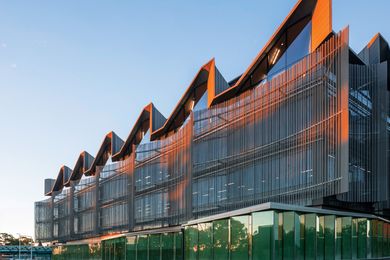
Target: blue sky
71, 71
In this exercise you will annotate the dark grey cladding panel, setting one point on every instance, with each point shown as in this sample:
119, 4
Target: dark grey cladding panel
220, 82
354, 58
49, 183
116, 143
388, 75
88, 159
158, 119
376, 51
67, 172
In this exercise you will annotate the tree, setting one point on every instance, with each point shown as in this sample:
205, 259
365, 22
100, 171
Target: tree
9, 240
26, 240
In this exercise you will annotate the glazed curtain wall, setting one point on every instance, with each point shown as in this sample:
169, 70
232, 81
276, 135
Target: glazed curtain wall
369, 134
162, 178
82, 252
287, 235
43, 219
283, 141
61, 214
163, 246
95, 205
85, 207
113, 198
271, 234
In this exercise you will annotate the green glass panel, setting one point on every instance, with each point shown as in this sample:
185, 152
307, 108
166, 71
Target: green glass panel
369, 239
221, 239
320, 237
205, 241
278, 236
167, 246
94, 251
288, 235
299, 236
380, 238
239, 247
375, 238
387, 246
385, 240
131, 247
263, 235
178, 246
338, 238
292, 248
154, 246
310, 237
330, 237
142, 247
362, 239
120, 248
191, 242
346, 237
111, 249
354, 237
301, 251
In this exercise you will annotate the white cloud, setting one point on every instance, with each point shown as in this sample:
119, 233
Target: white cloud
3, 45
13, 65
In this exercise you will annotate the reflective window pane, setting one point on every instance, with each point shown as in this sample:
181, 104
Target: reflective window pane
263, 233
205, 241
191, 242
310, 236
239, 247
221, 239
167, 244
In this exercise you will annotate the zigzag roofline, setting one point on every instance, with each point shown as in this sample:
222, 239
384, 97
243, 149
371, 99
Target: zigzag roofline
83, 163
111, 145
208, 79
62, 177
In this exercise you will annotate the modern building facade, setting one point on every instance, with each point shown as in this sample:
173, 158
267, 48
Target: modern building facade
296, 146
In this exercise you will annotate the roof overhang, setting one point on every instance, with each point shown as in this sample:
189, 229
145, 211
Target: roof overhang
320, 12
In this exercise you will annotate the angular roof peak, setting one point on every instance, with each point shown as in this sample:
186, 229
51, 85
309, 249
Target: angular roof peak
149, 118
207, 79
83, 163
319, 12
376, 51
62, 177
111, 145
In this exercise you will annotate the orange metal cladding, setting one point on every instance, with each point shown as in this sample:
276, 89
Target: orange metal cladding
321, 29
144, 122
109, 146
321, 22
174, 151
178, 193
257, 107
209, 67
211, 82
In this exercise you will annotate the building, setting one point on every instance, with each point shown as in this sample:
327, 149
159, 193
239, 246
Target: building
289, 159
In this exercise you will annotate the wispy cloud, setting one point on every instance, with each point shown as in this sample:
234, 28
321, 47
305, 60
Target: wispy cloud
13, 65
3, 45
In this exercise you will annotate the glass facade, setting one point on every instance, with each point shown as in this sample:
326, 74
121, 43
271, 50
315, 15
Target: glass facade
303, 126
268, 234
83, 252
287, 235
242, 152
